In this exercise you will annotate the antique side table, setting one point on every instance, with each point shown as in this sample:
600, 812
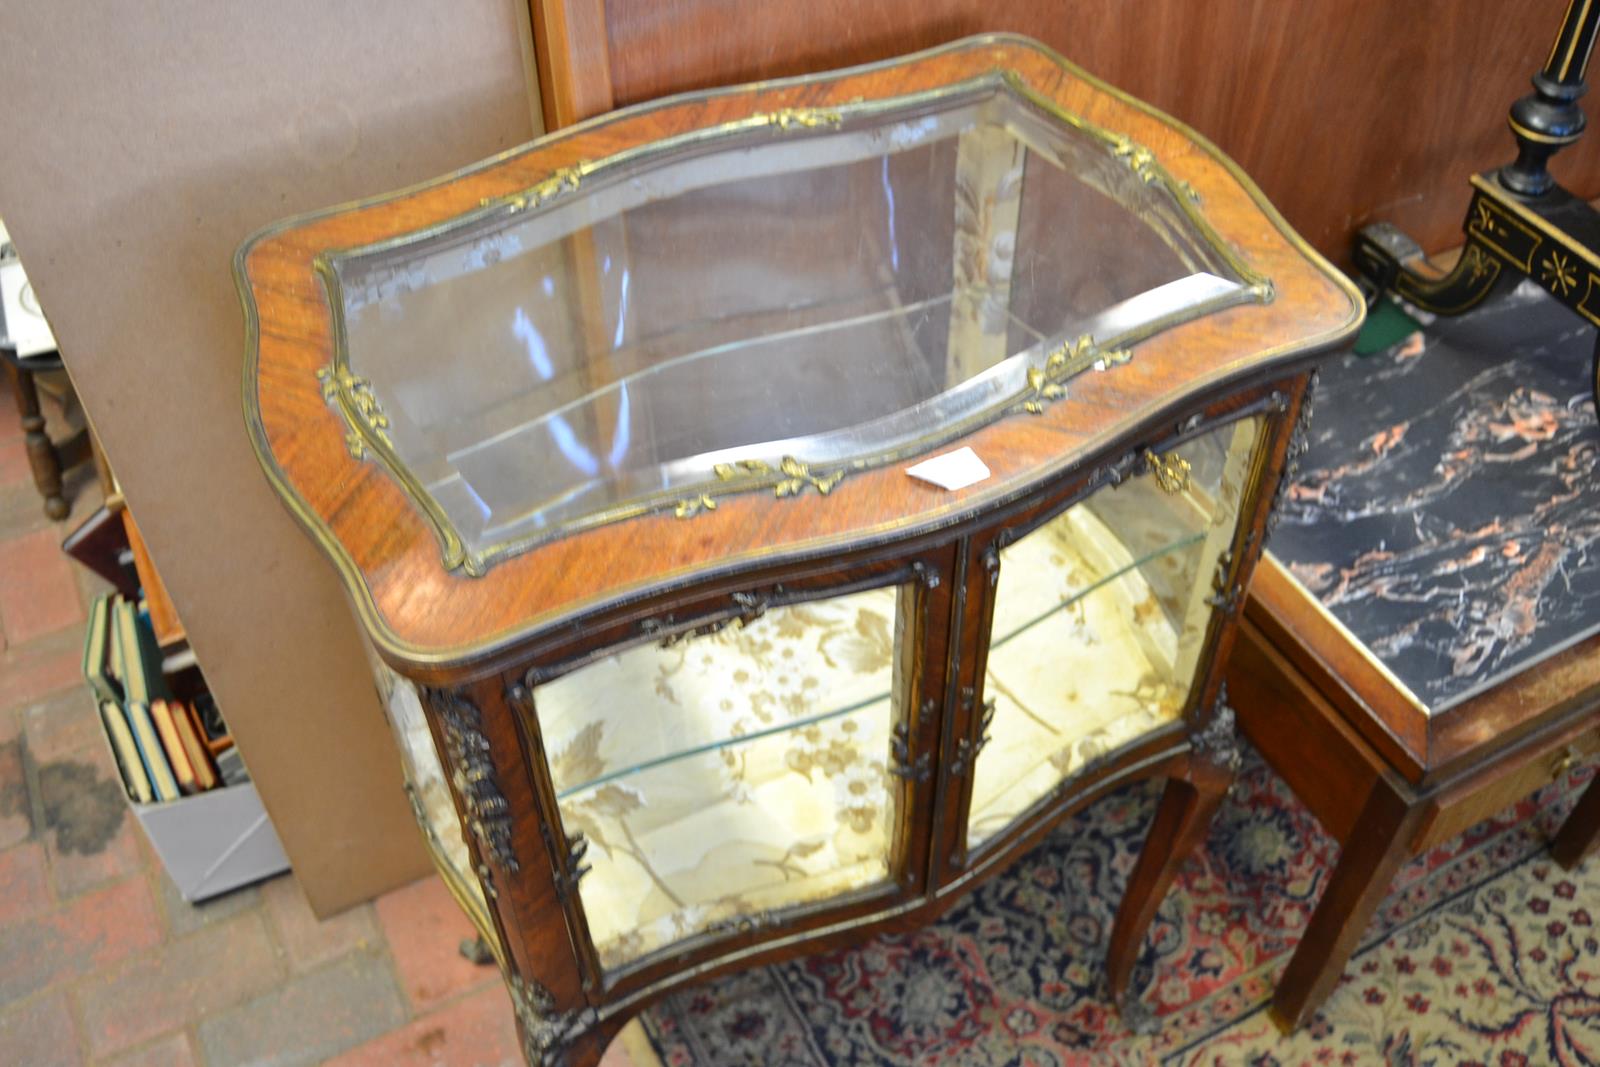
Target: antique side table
609, 436
1421, 649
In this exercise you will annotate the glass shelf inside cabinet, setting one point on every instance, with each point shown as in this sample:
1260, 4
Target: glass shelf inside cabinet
1098, 621
829, 289
726, 776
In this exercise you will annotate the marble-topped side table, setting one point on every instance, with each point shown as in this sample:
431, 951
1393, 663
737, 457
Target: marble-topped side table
1421, 646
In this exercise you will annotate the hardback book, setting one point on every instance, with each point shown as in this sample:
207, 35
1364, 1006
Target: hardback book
199, 758
136, 688
141, 656
127, 753
114, 639
172, 745
130, 670
96, 649
162, 781
100, 543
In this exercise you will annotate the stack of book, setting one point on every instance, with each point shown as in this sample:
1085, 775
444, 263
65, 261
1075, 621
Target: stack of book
167, 744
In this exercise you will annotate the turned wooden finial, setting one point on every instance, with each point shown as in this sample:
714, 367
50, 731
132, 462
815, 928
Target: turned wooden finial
1548, 119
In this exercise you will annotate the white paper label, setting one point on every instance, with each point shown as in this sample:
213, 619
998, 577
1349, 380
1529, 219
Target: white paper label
953, 470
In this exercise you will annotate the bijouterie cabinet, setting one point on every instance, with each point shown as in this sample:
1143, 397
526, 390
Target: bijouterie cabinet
771, 510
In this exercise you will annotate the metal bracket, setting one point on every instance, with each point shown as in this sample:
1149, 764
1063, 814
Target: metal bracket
751, 606
1171, 471
546, 1032
902, 765
1218, 741
568, 864
967, 750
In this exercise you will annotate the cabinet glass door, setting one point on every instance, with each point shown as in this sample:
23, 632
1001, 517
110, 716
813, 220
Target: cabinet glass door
725, 776
1099, 618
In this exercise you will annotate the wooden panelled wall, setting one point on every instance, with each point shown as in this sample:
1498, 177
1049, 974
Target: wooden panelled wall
1344, 111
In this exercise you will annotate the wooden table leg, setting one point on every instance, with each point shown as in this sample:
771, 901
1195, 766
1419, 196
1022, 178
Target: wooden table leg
41, 452
1379, 845
1180, 826
1581, 831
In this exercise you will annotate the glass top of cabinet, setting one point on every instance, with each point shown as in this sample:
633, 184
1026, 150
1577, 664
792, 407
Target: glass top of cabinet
769, 303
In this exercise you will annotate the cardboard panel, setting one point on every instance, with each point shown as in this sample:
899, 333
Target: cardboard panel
141, 146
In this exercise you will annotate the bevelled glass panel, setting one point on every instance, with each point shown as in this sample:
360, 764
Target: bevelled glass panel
841, 288
1099, 619
727, 776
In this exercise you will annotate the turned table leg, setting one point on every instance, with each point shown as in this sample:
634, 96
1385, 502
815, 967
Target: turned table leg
41, 452
1180, 826
1581, 831
1377, 848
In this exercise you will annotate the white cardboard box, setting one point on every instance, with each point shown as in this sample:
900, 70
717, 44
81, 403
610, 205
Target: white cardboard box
210, 842
214, 841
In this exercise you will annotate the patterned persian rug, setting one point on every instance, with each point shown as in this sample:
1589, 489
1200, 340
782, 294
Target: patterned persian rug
1485, 952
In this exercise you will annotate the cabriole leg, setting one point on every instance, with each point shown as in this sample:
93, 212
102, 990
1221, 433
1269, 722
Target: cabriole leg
1180, 826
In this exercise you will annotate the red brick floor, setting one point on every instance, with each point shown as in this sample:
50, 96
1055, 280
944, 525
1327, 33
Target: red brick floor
101, 960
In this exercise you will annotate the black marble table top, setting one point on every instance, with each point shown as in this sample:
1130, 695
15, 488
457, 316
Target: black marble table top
1448, 510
